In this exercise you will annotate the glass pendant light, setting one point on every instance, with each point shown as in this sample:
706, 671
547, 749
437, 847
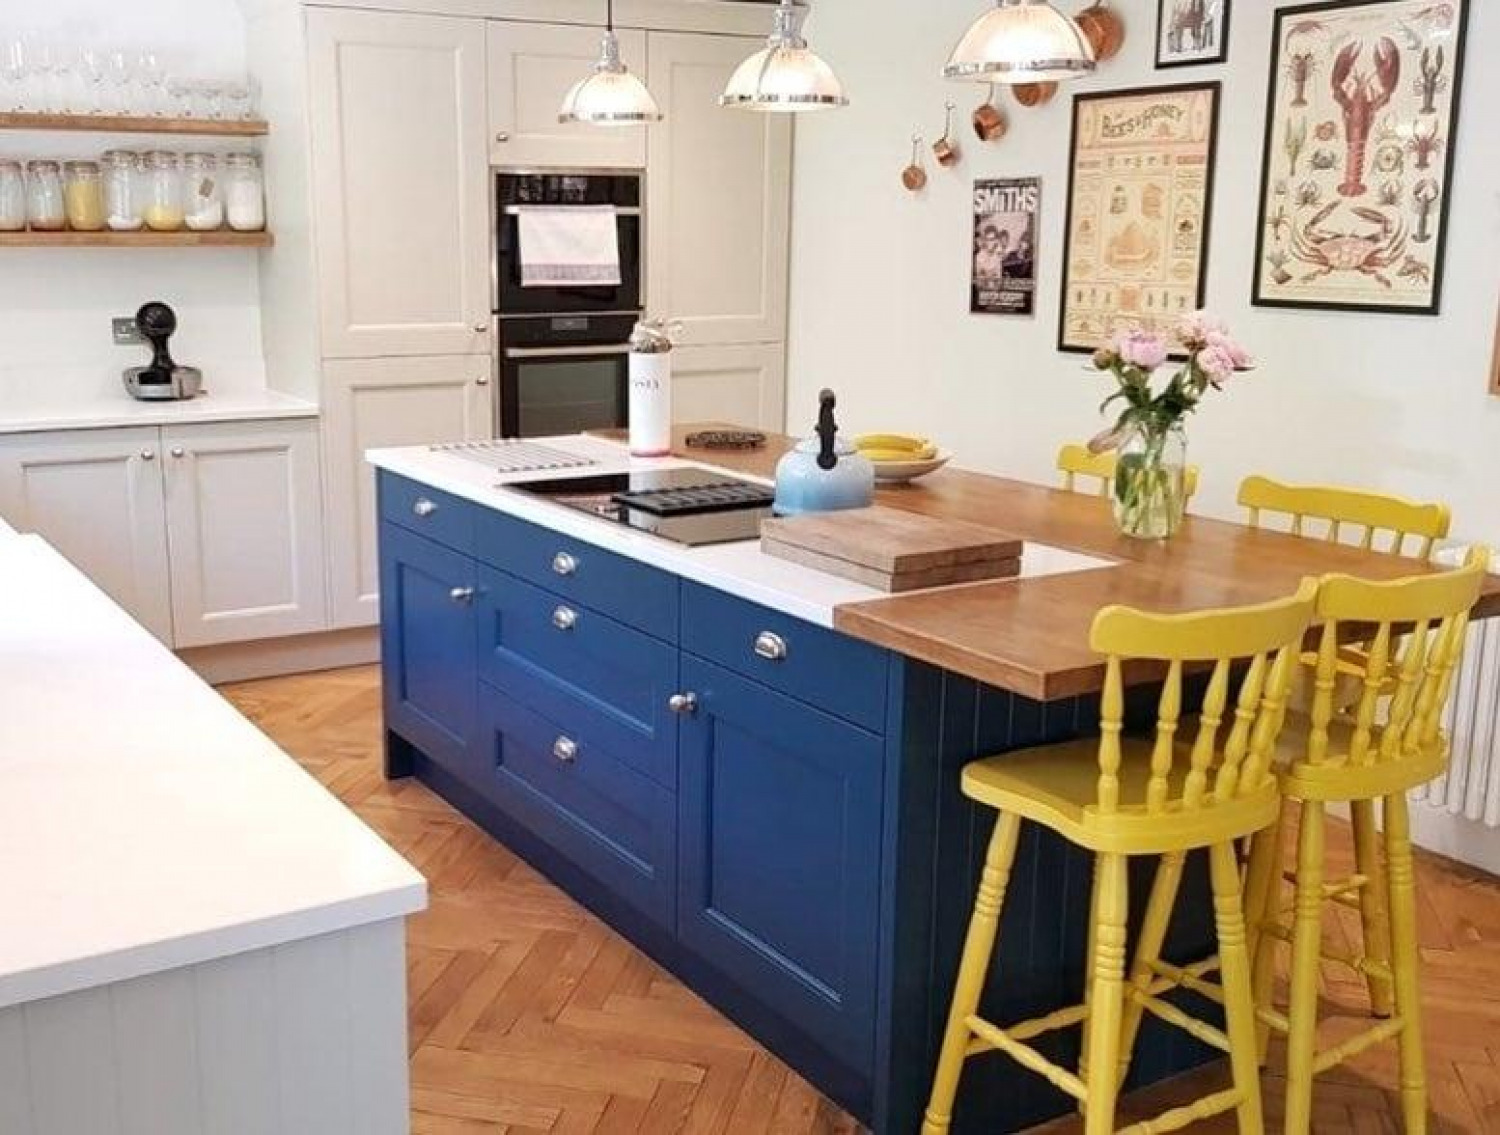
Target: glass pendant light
1021, 41
611, 96
787, 76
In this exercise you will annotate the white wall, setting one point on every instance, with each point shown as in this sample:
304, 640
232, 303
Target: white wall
880, 281
55, 304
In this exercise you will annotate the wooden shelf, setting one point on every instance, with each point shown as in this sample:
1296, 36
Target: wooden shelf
144, 238
134, 124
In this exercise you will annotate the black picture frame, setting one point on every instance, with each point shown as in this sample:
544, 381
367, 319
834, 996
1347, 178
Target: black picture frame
1200, 291
1206, 61
1434, 307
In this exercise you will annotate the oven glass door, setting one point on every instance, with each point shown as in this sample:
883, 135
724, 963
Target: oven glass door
563, 390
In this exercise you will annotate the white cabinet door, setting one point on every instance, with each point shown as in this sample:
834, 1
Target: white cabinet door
244, 508
531, 68
96, 496
718, 195
401, 186
741, 385
374, 404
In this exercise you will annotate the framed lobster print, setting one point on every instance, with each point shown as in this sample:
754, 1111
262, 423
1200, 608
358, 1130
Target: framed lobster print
1140, 188
1358, 165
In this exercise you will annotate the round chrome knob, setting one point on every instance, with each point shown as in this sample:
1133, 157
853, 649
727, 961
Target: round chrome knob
685, 704
564, 564
565, 749
148, 455
462, 595
424, 507
177, 451
770, 646
565, 618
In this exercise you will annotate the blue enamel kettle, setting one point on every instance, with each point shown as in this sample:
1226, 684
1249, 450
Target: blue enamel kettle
823, 474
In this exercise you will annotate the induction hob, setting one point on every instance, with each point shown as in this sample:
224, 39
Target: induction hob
692, 506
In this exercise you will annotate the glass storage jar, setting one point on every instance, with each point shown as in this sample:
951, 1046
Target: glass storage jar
122, 190
244, 192
12, 197
44, 196
205, 199
83, 196
163, 199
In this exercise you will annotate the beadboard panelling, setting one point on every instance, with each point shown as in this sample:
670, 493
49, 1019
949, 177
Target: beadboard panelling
305, 1037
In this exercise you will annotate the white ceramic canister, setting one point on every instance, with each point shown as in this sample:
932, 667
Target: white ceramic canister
651, 387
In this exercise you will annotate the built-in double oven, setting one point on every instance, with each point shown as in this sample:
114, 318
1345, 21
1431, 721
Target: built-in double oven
563, 354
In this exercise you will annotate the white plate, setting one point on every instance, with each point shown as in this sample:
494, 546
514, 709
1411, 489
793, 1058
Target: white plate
894, 472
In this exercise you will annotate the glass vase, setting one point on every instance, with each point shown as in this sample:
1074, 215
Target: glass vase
1150, 491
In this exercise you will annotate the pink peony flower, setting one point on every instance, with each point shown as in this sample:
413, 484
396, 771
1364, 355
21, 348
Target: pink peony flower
1219, 340
1195, 329
1141, 349
1217, 363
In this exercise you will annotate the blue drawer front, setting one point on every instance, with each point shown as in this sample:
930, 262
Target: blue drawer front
438, 516
780, 813
580, 573
427, 647
611, 821
820, 667
576, 665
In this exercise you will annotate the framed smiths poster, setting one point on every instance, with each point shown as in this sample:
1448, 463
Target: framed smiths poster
1139, 193
1359, 155
1004, 265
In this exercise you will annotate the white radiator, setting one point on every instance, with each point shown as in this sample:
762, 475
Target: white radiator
1471, 787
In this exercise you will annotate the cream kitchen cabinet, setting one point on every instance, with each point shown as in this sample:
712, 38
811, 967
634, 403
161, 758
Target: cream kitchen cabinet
531, 68
379, 403
400, 183
206, 534
97, 497
744, 384
718, 197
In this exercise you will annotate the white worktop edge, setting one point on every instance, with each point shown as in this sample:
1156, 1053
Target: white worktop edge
123, 411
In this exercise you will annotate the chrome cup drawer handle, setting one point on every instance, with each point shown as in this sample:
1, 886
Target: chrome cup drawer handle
564, 564
464, 595
565, 618
565, 749
424, 507
684, 704
770, 646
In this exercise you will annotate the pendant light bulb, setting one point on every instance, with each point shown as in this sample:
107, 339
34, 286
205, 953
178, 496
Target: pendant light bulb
1021, 41
786, 76
610, 95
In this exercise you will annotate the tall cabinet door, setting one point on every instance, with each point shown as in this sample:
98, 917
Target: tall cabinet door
401, 186
96, 496
743, 383
531, 68
245, 530
378, 404
719, 193
779, 813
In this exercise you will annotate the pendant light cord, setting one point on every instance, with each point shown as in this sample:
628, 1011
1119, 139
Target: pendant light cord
609, 15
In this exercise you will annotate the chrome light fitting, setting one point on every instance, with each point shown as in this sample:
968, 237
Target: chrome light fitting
787, 76
1021, 41
611, 95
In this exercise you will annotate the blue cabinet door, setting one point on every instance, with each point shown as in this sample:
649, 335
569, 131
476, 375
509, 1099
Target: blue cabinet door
428, 647
779, 834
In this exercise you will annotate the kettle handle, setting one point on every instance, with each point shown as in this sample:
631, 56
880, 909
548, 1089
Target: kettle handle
827, 430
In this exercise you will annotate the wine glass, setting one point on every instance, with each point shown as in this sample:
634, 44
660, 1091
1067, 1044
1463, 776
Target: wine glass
237, 98
152, 73
40, 62
210, 93
91, 67
120, 70
13, 75
180, 95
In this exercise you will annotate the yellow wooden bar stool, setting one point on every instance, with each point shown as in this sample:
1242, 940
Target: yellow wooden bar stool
1119, 796
1075, 461
1382, 748
1377, 522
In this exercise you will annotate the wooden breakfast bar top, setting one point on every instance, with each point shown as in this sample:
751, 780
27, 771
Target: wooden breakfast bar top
1030, 636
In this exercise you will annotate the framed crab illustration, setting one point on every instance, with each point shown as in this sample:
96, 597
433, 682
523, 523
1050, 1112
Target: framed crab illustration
1360, 135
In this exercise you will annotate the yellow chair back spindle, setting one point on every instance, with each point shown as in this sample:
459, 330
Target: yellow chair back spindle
1307, 508
1075, 461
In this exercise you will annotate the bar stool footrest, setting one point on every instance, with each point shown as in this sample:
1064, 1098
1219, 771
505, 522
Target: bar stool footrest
1180, 1117
1027, 1057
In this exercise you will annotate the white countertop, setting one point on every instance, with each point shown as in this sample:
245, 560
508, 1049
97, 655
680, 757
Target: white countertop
102, 412
742, 568
145, 825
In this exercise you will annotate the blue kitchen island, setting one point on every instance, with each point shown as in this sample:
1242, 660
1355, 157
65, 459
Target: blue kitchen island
765, 805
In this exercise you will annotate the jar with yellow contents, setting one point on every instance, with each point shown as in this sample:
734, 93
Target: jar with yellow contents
83, 196
164, 211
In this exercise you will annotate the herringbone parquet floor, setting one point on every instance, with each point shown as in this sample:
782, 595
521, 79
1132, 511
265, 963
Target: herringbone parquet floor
528, 1015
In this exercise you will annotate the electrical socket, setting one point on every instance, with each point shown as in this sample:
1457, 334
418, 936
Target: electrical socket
125, 331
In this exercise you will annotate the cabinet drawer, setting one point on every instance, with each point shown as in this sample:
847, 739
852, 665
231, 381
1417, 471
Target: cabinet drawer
820, 667
560, 784
447, 519
576, 665
579, 572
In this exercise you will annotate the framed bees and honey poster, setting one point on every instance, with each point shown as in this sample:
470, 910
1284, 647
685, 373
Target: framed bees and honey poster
1359, 154
1139, 193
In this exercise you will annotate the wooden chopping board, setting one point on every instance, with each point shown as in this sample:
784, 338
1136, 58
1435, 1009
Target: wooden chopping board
892, 549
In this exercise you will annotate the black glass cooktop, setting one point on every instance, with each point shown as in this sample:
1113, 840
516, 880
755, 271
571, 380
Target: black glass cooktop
689, 506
